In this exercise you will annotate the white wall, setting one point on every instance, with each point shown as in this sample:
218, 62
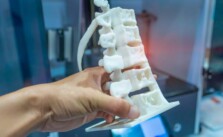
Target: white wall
179, 38
173, 35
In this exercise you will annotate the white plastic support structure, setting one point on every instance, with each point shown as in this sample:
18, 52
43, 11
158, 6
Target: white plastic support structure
119, 35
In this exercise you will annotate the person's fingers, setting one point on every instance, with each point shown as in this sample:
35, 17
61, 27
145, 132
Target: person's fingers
108, 117
68, 124
99, 75
98, 71
155, 76
105, 78
101, 114
105, 89
114, 106
62, 126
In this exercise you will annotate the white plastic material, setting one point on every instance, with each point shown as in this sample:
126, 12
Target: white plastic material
132, 56
139, 78
119, 35
104, 20
112, 63
107, 40
128, 123
152, 100
121, 89
101, 3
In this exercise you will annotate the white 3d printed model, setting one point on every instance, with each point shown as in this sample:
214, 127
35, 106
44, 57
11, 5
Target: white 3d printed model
119, 35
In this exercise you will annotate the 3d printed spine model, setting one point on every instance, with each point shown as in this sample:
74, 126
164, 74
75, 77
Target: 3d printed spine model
119, 35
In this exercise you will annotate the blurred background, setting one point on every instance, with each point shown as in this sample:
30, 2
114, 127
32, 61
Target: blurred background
182, 40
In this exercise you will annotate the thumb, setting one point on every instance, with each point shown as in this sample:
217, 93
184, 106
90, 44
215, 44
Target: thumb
115, 106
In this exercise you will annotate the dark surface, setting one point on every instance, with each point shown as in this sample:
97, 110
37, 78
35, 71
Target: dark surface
31, 41
176, 87
179, 121
80, 132
10, 71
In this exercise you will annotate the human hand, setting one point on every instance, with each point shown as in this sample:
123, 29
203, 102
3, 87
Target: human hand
78, 99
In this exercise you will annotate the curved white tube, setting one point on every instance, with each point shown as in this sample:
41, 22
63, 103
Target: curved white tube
84, 41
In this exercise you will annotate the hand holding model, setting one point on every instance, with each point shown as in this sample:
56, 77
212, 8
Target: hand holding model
61, 106
124, 50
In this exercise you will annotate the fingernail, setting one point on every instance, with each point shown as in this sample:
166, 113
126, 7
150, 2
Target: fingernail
133, 113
